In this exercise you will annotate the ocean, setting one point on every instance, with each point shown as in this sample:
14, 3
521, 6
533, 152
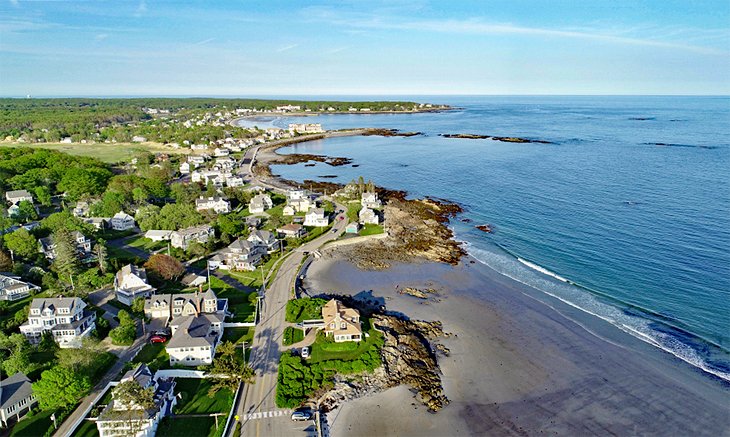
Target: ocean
624, 215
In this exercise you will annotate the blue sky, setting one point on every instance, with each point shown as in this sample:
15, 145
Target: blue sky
364, 47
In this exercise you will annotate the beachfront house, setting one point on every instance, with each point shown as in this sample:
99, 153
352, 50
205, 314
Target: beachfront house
184, 237
12, 288
341, 322
121, 418
122, 221
265, 239
239, 255
260, 203
316, 217
17, 196
291, 230
130, 283
368, 217
370, 200
217, 204
66, 318
16, 398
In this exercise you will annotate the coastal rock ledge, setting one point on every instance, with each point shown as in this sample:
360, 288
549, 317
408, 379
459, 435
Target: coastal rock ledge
408, 357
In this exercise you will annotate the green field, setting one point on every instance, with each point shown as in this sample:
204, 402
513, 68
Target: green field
154, 355
33, 426
371, 230
189, 427
194, 398
325, 349
237, 335
86, 429
110, 153
146, 244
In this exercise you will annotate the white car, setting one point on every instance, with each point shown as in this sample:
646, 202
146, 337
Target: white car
305, 352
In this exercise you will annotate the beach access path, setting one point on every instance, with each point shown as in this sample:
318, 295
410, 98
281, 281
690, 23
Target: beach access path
267, 348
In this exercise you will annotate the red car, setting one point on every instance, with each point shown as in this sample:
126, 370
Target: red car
158, 339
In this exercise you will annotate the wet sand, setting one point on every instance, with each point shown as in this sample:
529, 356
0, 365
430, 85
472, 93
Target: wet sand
522, 363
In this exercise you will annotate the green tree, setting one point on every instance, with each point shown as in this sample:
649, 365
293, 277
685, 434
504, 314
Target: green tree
26, 212
126, 332
43, 194
60, 387
66, 264
21, 243
229, 368
101, 255
79, 182
138, 305
6, 262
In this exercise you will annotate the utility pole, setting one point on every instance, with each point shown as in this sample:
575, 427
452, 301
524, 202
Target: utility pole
12, 258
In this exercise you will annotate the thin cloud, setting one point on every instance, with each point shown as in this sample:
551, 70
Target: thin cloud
285, 48
337, 50
141, 9
203, 42
15, 3
101, 36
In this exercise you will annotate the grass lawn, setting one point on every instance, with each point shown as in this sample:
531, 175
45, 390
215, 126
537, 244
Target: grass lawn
237, 335
45, 361
322, 350
146, 244
154, 355
194, 398
371, 230
353, 211
33, 426
292, 335
110, 153
190, 426
253, 279
86, 429
115, 252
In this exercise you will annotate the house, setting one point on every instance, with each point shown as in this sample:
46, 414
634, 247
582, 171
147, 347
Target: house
171, 306
13, 210
185, 168
194, 339
16, 398
66, 318
292, 231
368, 217
352, 228
83, 246
266, 239
17, 196
288, 210
260, 203
305, 128
158, 235
316, 217
341, 322
217, 204
81, 209
297, 194
182, 238
253, 222
122, 418
12, 288
225, 163
122, 221
370, 200
130, 283
234, 181
193, 280
220, 151
98, 222
239, 255
302, 205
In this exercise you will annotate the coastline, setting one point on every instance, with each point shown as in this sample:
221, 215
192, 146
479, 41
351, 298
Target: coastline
521, 362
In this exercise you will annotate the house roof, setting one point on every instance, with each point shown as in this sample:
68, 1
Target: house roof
335, 311
14, 389
157, 233
241, 244
54, 303
291, 227
194, 331
121, 215
17, 193
194, 230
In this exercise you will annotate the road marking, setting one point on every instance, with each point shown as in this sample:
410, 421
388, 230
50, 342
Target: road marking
266, 414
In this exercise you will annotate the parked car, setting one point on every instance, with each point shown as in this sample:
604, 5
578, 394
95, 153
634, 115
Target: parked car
158, 339
305, 352
301, 414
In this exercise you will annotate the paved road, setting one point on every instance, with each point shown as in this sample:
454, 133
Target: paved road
257, 407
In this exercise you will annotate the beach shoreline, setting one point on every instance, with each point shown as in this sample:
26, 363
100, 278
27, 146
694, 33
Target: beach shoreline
521, 362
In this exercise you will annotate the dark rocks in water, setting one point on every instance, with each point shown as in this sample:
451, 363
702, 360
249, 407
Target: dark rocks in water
493, 138
466, 220
328, 176
390, 133
681, 145
355, 165
642, 118
485, 228
310, 165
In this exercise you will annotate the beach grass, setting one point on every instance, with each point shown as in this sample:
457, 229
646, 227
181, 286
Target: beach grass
110, 153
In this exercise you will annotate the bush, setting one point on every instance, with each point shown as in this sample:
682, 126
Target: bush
304, 309
292, 335
126, 332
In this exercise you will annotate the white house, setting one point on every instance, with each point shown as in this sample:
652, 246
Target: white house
81, 209
266, 239
370, 200
12, 288
18, 196
122, 221
221, 151
239, 255
368, 217
66, 318
130, 283
158, 235
217, 204
260, 203
316, 217
185, 168
171, 306
121, 418
182, 238
83, 246
234, 181
305, 128
292, 230
16, 398
289, 210
295, 194
194, 339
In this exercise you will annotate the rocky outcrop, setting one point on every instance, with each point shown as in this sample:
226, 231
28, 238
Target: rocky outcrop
490, 137
408, 357
485, 228
390, 133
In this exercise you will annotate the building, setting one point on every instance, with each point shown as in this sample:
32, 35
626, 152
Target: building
17, 196
120, 418
234, 181
16, 398
130, 283
302, 205
368, 217
12, 288
288, 210
239, 255
185, 168
194, 339
352, 228
182, 238
370, 200
217, 204
253, 222
260, 203
305, 128
341, 322
266, 239
122, 221
66, 318
316, 217
81, 209
158, 235
98, 223
295, 195
221, 151
193, 280
83, 246
292, 230
171, 306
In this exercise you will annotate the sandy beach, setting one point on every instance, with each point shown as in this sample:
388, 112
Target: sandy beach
522, 363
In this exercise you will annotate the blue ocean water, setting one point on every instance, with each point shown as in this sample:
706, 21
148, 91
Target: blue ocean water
626, 215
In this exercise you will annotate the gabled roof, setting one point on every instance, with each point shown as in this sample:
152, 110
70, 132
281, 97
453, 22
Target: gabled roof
14, 389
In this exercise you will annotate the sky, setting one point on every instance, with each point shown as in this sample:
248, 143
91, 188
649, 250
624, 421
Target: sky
363, 47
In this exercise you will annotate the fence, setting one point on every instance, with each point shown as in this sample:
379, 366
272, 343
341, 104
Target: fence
239, 324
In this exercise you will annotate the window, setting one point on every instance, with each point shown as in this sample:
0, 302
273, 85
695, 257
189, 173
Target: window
343, 325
